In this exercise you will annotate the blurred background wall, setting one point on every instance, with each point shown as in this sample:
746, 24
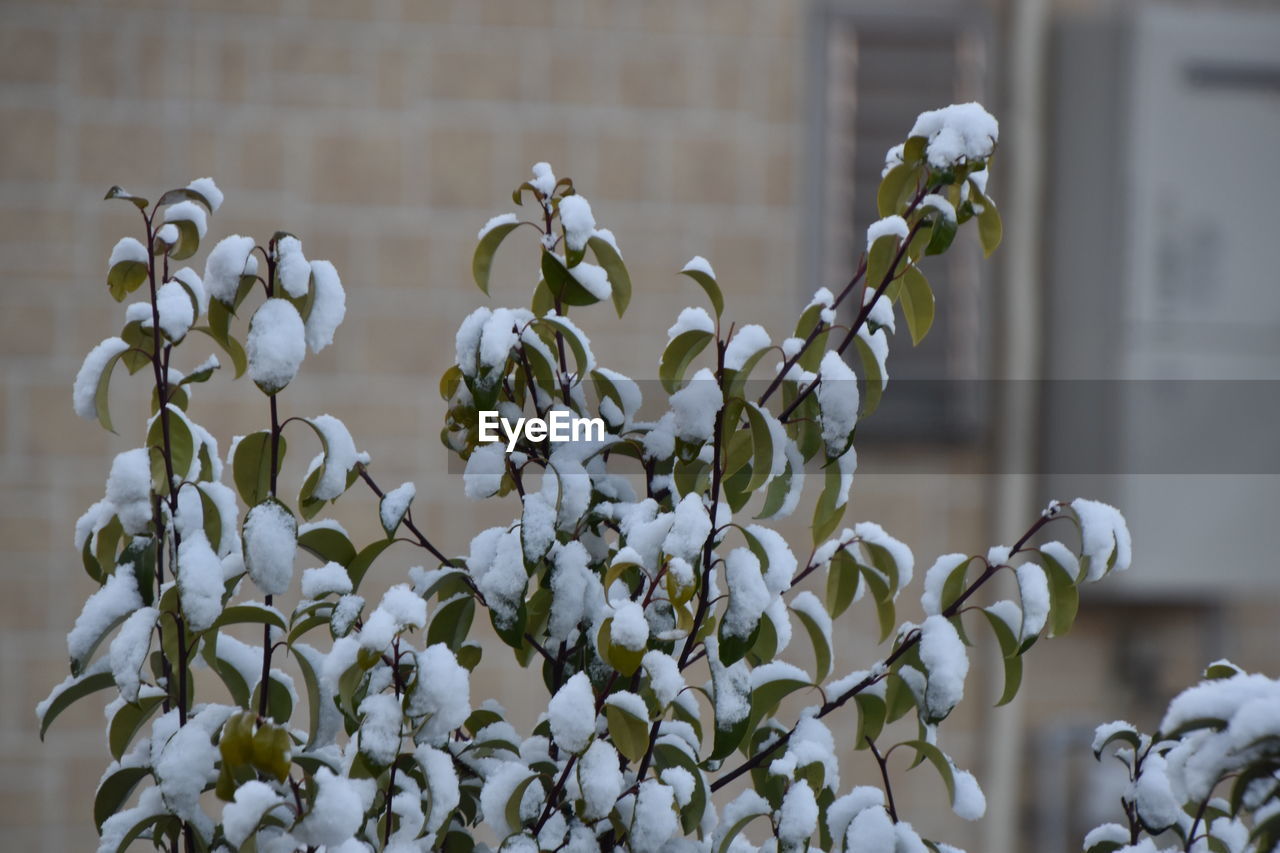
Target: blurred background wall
384, 133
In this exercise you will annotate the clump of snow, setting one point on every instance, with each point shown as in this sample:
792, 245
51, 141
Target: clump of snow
188, 211
748, 341
1103, 531
572, 713
329, 578
443, 691
495, 222
654, 820
748, 594
270, 545
1033, 587
497, 564
691, 319
690, 527
380, 724
84, 392
328, 308
890, 226
498, 789
227, 262
664, 676
798, 816
200, 581
253, 800
337, 813
577, 594
695, 407
395, 504
593, 278
128, 249
276, 345
936, 578
945, 208
1152, 794
871, 831
293, 270
699, 264
400, 609
1062, 555
176, 311
837, 402
600, 780
485, 469
957, 134
129, 489
544, 180
731, 687
129, 649
630, 629
873, 534
575, 216
969, 802
209, 191
946, 664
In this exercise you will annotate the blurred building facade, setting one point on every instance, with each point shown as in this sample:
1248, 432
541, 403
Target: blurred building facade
385, 133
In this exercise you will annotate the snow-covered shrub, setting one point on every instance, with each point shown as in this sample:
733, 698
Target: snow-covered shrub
641, 574
1209, 779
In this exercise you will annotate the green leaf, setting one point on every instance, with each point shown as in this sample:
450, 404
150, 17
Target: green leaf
251, 466
883, 594
821, 647
762, 448
159, 825
328, 544
941, 235
682, 349
121, 193
251, 613
114, 789
128, 721
927, 751
880, 257
766, 698
513, 802
707, 283
452, 621
1012, 660
361, 562
482, 260
82, 686
232, 347
827, 513
562, 283
629, 733
894, 187
125, 277
990, 229
572, 335
1064, 596
230, 676
733, 831
917, 303
619, 278
311, 679
181, 443
1127, 735
842, 582
730, 738
872, 713
101, 395
188, 239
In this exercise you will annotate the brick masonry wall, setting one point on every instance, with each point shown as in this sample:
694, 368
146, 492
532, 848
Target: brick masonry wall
384, 133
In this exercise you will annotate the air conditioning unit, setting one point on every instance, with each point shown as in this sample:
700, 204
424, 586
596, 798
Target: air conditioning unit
1162, 289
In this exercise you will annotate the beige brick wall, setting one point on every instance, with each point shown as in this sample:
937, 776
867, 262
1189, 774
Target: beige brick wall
384, 133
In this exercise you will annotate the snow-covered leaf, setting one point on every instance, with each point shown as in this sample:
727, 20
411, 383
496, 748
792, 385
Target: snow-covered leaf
700, 271
682, 349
